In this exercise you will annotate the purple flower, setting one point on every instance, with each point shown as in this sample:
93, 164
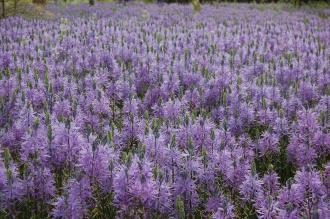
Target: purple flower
185, 187
306, 195
157, 111
250, 188
171, 110
302, 148
98, 164
267, 206
225, 209
62, 109
67, 144
41, 178
268, 144
271, 183
76, 202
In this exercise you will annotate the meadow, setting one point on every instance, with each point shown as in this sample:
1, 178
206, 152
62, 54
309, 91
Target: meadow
162, 111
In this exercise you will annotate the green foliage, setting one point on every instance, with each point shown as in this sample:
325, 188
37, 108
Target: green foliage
196, 5
323, 15
104, 206
247, 211
149, 1
39, 1
179, 205
277, 162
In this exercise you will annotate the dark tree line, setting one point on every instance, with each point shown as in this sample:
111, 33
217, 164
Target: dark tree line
92, 2
296, 2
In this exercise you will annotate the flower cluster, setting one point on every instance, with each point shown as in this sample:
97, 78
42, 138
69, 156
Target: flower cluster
155, 111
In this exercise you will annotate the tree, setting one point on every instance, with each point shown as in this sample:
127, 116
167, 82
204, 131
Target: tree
15, 6
196, 5
3, 8
39, 1
298, 2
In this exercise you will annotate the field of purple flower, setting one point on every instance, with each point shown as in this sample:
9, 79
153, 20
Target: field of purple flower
155, 111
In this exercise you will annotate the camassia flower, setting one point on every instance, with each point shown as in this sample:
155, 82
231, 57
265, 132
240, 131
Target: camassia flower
160, 111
